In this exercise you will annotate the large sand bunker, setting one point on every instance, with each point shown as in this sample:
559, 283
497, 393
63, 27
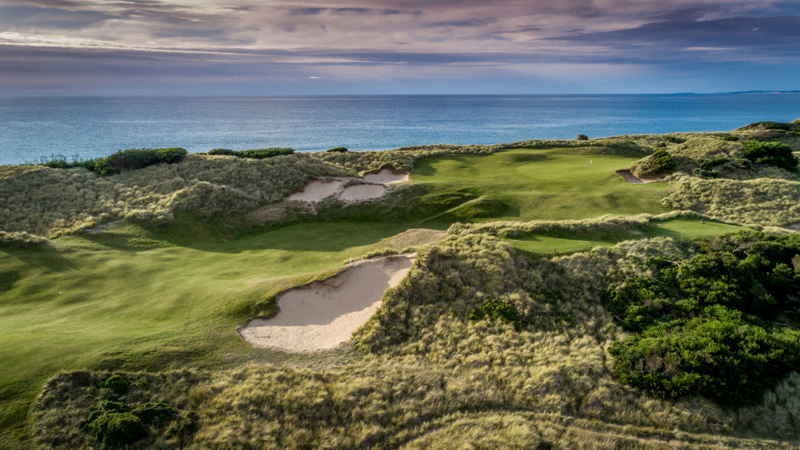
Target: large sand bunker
316, 190
387, 175
323, 314
359, 192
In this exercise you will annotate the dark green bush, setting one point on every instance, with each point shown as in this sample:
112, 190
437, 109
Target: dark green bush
705, 173
774, 153
743, 163
721, 324
223, 151
121, 161
116, 429
673, 139
496, 310
582, 137
117, 385
730, 138
709, 164
155, 413
662, 162
337, 150
253, 154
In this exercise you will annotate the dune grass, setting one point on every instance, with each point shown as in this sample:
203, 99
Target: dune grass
564, 242
558, 183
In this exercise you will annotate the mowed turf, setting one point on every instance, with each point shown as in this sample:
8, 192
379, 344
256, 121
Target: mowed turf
121, 299
559, 183
561, 242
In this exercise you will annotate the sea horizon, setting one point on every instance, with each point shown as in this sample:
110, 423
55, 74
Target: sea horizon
36, 127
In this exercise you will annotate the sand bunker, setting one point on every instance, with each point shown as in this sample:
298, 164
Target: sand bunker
323, 314
317, 190
631, 178
359, 192
387, 175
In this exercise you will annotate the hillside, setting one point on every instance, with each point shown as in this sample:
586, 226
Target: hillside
551, 302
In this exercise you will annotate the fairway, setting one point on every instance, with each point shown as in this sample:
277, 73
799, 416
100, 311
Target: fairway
547, 184
124, 299
562, 242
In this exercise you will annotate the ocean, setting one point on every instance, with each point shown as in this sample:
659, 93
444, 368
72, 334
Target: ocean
32, 128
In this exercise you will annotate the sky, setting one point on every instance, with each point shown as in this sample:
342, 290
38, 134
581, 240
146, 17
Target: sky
314, 47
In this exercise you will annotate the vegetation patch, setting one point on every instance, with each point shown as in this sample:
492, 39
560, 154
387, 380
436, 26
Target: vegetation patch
722, 324
253, 154
121, 161
774, 153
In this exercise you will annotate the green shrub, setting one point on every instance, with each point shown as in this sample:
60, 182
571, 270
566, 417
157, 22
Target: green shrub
582, 137
117, 385
774, 153
662, 162
253, 154
496, 310
673, 139
155, 413
120, 161
709, 164
117, 429
705, 325
743, 163
730, 138
705, 173
337, 150
223, 151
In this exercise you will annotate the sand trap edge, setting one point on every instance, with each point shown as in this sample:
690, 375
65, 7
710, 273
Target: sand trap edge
323, 284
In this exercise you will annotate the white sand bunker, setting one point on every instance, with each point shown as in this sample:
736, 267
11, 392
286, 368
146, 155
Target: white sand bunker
387, 175
359, 192
323, 314
316, 190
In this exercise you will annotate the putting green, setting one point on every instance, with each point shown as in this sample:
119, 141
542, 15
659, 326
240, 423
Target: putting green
547, 184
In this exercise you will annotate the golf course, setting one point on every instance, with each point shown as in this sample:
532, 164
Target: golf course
496, 333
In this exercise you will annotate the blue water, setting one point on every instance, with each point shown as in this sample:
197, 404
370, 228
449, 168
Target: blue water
31, 128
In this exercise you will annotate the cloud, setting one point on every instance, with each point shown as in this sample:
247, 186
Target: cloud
286, 39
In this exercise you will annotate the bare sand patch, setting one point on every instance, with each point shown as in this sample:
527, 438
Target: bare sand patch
324, 314
387, 175
629, 177
359, 192
317, 190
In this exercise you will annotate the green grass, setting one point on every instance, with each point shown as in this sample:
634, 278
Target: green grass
123, 299
560, 242
544, 184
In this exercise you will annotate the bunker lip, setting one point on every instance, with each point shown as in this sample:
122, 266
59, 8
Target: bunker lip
386, 175
629, 177
321, 315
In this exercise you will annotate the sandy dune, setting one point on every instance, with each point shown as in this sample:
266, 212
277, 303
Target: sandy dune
387, 176
317, 190
323, 314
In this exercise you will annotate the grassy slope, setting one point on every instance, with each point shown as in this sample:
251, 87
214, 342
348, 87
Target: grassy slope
565, 242
548, 184
123, 299
126, 299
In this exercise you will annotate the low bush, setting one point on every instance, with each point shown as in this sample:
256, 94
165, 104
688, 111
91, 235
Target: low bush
117, 429
253, 154
774, 153
673, 139
721, 324
337, 150
496, 310
705, 173
120, 161
730, 138
582, 137
662, 162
